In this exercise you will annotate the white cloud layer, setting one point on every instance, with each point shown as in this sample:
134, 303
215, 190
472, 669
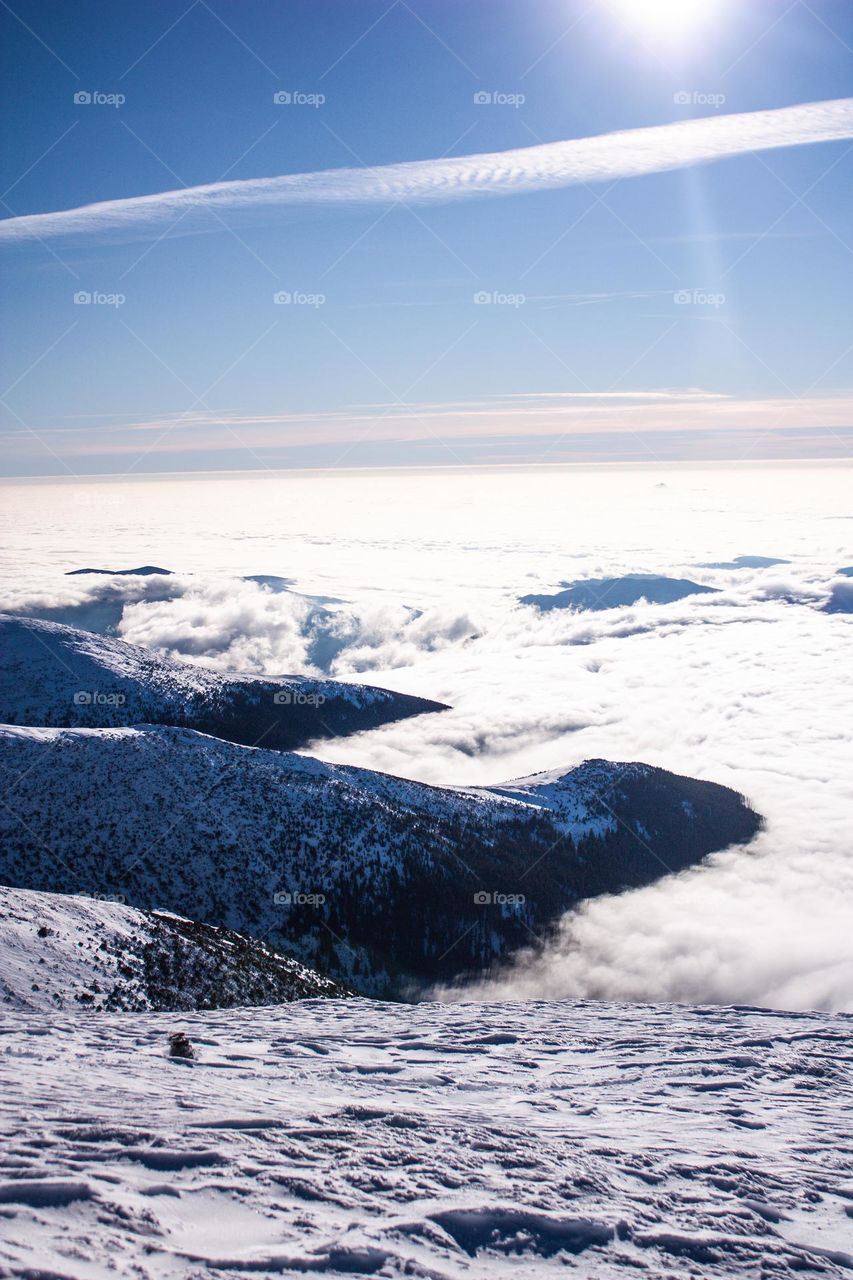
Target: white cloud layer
625, 154
746, 687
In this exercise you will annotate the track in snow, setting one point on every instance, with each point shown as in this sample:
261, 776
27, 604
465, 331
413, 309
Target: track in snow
429, 1141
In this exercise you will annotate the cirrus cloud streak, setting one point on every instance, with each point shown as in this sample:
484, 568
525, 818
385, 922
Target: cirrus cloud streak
548, 166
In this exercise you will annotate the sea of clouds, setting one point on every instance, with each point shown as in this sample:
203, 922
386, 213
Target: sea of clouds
413, 582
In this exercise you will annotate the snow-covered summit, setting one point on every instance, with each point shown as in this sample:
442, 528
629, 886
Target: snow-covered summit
571, 797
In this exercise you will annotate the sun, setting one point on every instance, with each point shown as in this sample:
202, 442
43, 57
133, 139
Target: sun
670, 19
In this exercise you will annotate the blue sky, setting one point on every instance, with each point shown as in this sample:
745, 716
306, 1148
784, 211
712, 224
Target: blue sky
700, 311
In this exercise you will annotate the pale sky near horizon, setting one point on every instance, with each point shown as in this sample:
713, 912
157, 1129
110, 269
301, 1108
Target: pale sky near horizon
668, 294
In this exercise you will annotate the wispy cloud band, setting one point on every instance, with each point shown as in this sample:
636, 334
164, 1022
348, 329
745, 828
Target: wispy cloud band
539, 419
629, 153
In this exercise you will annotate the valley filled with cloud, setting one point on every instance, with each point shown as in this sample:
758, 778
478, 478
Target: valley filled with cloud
739, 683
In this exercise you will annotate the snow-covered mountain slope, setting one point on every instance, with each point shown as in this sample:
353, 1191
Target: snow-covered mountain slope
62, 952
614, 593
56, 675
368, 875
435, 1142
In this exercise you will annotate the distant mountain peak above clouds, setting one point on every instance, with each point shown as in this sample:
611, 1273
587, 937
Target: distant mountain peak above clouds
745, 562
841, 595
144, 571
614, 593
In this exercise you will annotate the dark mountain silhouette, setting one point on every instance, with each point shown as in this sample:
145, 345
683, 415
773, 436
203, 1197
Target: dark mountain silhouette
143, 571
613, 593
745, 562
840, 598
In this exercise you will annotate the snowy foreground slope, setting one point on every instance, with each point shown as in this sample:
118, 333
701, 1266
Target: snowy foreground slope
56, 675
455, 1141
63, 952
373, 878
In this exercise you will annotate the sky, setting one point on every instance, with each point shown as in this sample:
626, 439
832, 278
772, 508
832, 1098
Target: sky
364, 280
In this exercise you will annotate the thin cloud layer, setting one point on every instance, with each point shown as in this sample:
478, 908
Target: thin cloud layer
625, 154
531, 417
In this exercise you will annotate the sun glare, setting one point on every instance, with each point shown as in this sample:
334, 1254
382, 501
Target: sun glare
668, 18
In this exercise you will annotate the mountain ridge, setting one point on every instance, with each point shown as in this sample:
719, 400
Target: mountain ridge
62, 677
378, 880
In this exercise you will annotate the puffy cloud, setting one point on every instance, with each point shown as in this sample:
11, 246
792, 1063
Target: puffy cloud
769, 928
